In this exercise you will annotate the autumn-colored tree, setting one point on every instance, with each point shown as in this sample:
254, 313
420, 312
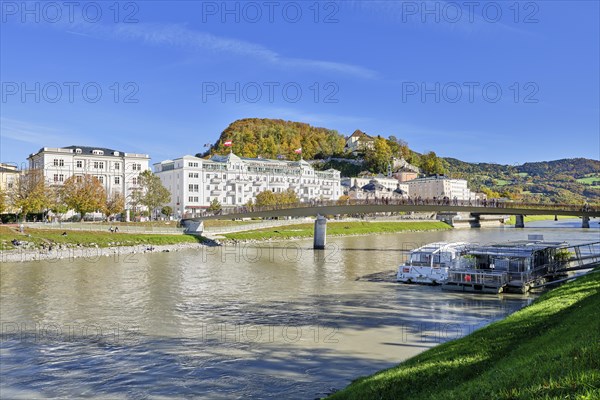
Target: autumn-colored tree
84, 194
151, 193
343, 200
3, 202
379, 157
431, 164
287, 197
115, 204
30, 193
265, 198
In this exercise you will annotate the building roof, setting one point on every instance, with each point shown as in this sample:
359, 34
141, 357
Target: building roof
88, 149
13, 170
373, 186
361, 135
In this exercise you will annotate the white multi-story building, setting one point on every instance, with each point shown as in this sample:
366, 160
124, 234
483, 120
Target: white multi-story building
440, 187
116, 170
195, 182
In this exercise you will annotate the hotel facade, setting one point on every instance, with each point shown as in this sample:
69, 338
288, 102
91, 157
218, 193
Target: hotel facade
233, 181
439, 187
116, 170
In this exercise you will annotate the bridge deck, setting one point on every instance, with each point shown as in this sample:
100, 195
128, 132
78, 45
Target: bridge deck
369, 207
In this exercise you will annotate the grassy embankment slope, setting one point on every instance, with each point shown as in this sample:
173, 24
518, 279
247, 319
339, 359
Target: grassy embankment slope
530, 218
337, 228
88, 238
548, 350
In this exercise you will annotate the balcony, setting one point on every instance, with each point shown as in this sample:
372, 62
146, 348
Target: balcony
216, 180
216, 192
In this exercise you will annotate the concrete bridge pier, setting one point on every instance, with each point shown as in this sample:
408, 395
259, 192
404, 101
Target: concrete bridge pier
320, 233
585, 221
519, 221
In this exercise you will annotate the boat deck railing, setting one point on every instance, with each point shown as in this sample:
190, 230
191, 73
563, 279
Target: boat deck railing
470, 277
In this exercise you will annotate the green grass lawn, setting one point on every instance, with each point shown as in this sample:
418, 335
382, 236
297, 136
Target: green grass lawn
530, 218
548, 350
590, 179
502, 182
88, 238
337, 228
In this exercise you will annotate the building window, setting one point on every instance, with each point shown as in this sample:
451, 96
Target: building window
134, 181
117, 180
193, 164
79, 164
96, 163
55, 176
100, 178
193, 188
101, 165
136, 167
56, 162
117, 166
61, 178
193, 175
79, 178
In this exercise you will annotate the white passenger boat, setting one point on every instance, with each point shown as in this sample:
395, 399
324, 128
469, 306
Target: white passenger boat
430, 263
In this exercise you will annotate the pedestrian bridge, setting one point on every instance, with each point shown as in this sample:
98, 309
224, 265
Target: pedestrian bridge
372, 206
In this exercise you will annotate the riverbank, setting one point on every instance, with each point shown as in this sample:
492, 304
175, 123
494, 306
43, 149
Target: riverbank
91, 253
550, 349
530, 218
51, 239
336, 229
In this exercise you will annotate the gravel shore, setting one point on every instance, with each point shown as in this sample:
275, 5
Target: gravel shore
91, 253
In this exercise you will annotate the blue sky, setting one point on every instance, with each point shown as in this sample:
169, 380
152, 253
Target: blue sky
482, 81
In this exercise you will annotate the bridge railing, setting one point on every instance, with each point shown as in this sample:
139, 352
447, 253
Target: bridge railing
493, 203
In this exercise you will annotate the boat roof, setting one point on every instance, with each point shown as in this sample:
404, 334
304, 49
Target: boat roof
441, 246
517, 248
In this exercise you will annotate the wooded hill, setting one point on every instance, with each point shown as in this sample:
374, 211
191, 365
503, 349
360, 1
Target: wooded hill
566, 180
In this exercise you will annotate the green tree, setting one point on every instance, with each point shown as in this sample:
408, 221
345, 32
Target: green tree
84, 194
167, 211
214, 206
57, 203
30, 193
151, 193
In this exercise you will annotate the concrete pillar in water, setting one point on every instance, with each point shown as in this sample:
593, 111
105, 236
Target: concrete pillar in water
556, 217
519, 221
320, 233
585, 221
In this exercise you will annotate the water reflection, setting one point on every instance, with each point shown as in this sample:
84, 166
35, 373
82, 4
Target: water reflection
277, 320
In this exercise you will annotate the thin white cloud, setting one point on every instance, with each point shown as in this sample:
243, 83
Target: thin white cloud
178, 35
27, 132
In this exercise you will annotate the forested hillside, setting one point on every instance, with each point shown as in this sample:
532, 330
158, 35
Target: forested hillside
567, 180
275, 138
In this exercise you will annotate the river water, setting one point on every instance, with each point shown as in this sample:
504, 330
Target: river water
273, 320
